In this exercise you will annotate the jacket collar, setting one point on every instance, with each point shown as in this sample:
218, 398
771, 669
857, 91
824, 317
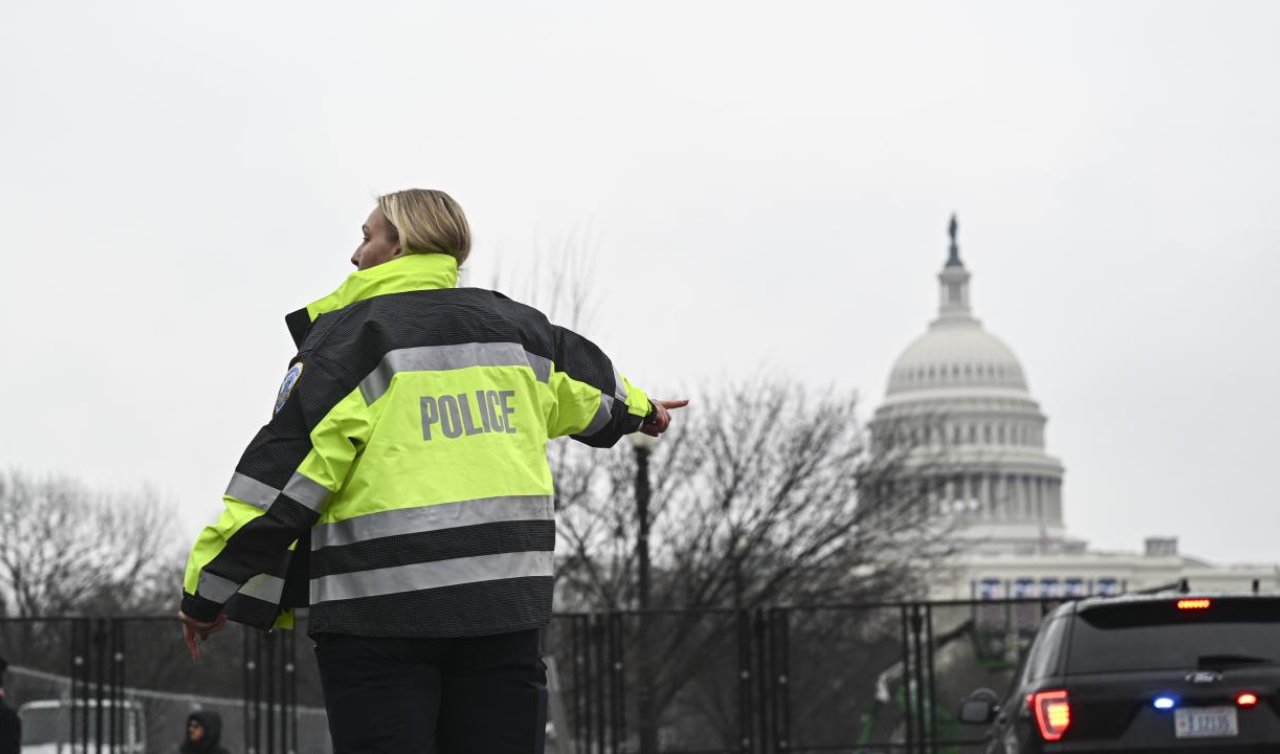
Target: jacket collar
411, 272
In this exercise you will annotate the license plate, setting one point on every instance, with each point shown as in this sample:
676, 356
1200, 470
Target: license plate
1205, 722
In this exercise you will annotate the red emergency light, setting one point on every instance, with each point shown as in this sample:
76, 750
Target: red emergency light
1053, 713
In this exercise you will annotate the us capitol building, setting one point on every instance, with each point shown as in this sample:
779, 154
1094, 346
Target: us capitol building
960, 389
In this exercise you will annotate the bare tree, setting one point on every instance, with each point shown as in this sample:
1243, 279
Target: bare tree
765, 495
65, 550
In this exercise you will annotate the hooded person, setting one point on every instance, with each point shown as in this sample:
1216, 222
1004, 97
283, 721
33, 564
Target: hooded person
204, 734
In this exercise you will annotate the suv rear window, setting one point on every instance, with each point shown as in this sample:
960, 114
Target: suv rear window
1157, 635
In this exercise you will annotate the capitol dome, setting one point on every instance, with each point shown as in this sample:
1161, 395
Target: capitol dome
956, 354
959, 395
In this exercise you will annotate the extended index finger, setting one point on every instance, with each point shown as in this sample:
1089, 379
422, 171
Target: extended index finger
189, 637
680, 403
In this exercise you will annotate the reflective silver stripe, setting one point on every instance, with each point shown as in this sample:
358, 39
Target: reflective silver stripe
440, 358
620, 386
307, 491
300, 488
540, 365
602, 417
213, 587
440, 573
433, 518
249, 490
264, 587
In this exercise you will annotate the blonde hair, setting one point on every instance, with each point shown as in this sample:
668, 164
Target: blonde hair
426, 221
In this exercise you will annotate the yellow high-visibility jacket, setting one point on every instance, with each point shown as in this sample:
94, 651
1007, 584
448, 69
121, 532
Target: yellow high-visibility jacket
403, 478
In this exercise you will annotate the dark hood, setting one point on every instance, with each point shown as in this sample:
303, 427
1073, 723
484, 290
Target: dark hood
212, 723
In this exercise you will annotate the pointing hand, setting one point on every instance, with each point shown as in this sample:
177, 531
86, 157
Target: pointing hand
662, 417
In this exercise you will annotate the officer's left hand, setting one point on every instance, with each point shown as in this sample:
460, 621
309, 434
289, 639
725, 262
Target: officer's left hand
191, 628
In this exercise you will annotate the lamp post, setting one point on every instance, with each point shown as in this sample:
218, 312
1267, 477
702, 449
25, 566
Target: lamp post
643, 445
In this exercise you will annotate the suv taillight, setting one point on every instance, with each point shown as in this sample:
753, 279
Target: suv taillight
1053, 713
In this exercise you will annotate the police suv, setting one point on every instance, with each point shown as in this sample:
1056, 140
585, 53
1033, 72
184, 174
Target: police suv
1165, 672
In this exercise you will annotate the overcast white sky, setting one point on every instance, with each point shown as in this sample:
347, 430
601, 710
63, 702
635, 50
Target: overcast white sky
769, 186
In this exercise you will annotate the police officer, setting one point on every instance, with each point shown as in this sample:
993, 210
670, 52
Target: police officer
402, 490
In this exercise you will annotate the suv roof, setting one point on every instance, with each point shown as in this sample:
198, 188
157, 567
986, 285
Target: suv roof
1087, 603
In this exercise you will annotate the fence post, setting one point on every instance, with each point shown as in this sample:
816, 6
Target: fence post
99, 664
761, 636
290, 683
931, 682
780, 662
244, 691
79, 685
908, 723
746, 722
617, 678
118, 719
600, 681
577, 699
269, 673
253, 691
918, 679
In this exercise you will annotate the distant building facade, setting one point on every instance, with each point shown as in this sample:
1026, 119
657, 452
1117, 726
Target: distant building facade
960, 390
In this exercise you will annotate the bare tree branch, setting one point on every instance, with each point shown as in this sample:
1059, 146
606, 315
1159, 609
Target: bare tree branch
67, 551
765, 495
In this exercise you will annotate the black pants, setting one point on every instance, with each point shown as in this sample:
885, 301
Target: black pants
484, 695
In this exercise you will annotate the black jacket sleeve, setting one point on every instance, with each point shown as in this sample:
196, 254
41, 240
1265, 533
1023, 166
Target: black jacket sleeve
596, 405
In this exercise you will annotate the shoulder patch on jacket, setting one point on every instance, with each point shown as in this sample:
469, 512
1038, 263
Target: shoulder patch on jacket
286, 387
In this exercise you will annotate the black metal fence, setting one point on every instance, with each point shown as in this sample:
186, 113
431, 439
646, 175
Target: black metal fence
856, 678
852, 678
127, 685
